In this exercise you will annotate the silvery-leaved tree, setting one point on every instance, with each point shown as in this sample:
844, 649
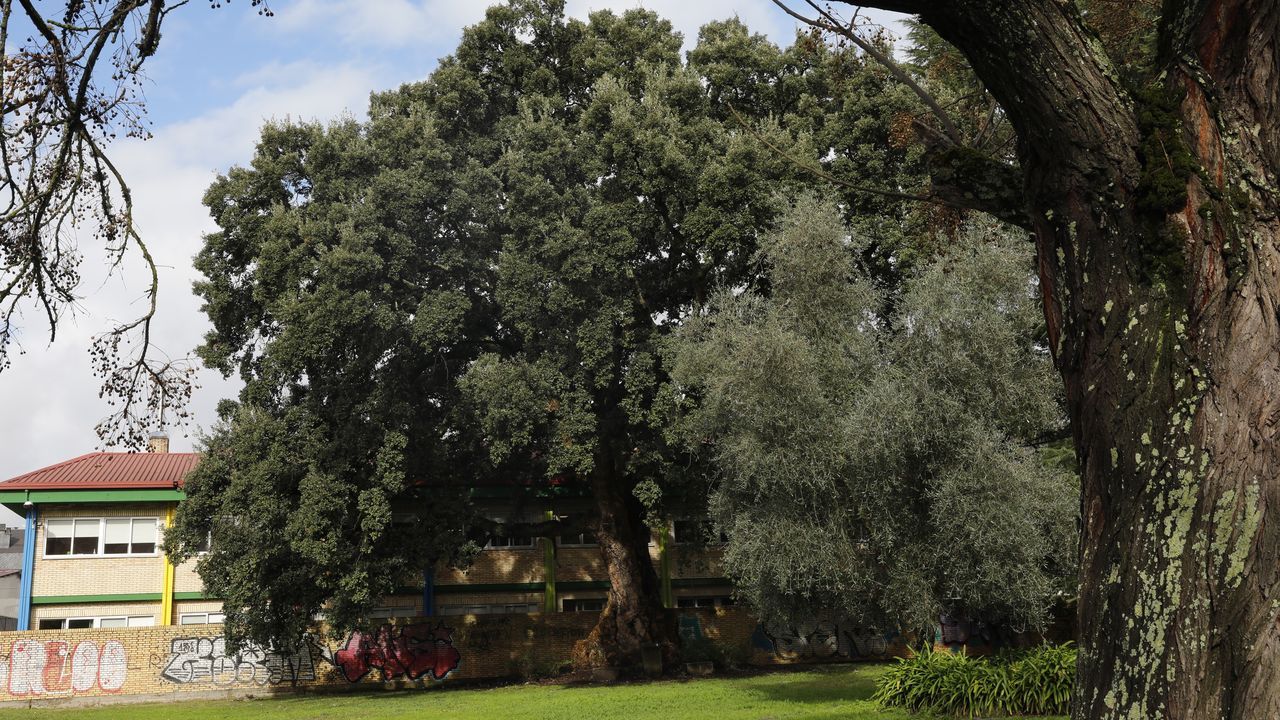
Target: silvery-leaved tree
878, 467
70, 84
1148, 149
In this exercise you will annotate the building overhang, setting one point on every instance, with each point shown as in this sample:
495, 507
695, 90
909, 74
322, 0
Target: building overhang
16, 499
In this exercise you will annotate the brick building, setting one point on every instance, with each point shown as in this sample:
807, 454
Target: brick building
91, 554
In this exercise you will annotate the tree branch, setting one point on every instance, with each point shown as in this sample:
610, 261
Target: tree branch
833, 24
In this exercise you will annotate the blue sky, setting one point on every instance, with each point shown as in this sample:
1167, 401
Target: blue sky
219, 74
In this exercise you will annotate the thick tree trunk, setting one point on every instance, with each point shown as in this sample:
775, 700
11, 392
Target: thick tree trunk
1175, 395
633, 617
1157, 221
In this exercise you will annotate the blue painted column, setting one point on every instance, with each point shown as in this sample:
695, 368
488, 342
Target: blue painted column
429, 592
28, 567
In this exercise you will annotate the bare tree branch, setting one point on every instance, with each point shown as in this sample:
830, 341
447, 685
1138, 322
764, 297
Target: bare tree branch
65, 93
831, 23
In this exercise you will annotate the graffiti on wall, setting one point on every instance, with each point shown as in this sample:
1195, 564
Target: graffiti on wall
410, 651
58, 667
205, 659
821, 640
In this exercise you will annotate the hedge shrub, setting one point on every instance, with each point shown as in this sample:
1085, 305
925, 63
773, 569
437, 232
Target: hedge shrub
1030, 682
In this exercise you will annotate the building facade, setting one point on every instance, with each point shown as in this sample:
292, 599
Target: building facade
91, 555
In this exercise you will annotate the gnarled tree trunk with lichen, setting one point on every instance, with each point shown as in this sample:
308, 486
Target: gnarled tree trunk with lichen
1156, 216
634, 617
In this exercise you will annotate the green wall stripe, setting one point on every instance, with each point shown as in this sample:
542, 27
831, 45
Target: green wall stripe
85, 599
120, 597
583, 585
490, 587
18, 497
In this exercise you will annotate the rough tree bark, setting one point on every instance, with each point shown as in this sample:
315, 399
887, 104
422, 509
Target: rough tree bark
633, 616
1156, 215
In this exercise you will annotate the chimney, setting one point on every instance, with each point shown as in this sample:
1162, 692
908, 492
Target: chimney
158, 442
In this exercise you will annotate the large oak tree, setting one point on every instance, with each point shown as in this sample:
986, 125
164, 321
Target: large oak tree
1148, 149
477, 282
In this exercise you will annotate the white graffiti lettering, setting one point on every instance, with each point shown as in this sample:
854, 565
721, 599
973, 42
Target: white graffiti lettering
203, 659
52, 667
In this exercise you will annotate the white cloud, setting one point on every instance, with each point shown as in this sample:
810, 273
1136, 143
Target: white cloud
381, 23
50, 395
403, 22
687, 17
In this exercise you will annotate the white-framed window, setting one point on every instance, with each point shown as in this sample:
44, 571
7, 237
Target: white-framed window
384, 613
496, 609
463, 610
109, 621
200, 618
704, 602
88, 537
582, 604
514, 542
586, 538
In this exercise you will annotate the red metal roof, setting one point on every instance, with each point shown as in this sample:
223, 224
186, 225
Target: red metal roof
109, 471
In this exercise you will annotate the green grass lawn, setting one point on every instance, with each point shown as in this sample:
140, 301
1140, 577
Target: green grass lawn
825, 692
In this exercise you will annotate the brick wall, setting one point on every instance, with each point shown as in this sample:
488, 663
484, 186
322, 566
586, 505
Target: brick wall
92, 575
498, 566
97, 665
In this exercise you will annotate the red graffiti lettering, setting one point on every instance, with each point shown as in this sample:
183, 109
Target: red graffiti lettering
412, 651
57, 667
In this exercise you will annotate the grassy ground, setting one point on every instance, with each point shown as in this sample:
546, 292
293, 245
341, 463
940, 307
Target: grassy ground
827, 692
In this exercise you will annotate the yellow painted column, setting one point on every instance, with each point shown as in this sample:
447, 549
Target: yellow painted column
166, 593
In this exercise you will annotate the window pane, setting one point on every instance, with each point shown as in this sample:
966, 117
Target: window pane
583, 604
686, 531
141, 620
115, 539
85, 541
193, 619
216, 618
113, 622
74, 623
57, 538
144, 535
583, 538
52, 624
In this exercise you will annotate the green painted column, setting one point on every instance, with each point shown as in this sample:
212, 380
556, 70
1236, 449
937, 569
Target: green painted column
664, 565
549, 601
